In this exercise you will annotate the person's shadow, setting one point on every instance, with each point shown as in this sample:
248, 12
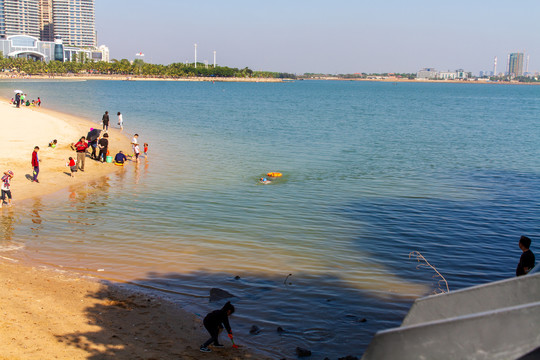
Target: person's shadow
29, 177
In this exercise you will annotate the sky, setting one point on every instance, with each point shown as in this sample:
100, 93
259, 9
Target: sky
331, 37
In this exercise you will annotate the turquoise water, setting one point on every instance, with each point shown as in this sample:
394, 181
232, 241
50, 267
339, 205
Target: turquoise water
372, 171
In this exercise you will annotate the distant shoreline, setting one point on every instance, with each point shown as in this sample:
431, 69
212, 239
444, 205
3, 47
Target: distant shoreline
134, 78
84, 77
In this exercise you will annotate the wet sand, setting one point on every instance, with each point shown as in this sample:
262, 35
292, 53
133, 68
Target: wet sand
48, 314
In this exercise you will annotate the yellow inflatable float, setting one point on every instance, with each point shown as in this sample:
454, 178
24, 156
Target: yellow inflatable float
274, 174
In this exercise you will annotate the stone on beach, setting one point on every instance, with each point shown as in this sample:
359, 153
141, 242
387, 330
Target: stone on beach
217, 294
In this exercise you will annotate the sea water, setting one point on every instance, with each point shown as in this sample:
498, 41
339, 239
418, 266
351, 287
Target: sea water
371, 172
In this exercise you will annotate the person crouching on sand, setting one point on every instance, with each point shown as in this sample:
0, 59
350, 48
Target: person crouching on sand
6, 187
214, 322
120, 158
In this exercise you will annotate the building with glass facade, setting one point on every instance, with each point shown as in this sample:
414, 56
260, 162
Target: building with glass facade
74, 22
30, 47
49, 30
19, 17
46, 21
515, 64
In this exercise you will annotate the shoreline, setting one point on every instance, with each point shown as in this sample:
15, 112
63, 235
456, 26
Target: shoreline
83, 77
63, 314
49, 125
86, 77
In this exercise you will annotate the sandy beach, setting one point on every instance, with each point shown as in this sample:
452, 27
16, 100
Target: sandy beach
48, 314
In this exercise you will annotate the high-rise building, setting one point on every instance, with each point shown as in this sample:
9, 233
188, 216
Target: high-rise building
46, 21
74, 22
515, 64
19, 17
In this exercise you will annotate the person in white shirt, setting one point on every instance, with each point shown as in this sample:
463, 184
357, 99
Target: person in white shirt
120, 121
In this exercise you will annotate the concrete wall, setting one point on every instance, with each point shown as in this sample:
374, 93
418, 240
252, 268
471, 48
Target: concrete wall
504, 334
495, 295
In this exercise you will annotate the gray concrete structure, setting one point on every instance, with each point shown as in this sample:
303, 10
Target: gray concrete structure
499, 320
481, 298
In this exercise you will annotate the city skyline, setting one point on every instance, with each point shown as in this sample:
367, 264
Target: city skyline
46, 20
312, 36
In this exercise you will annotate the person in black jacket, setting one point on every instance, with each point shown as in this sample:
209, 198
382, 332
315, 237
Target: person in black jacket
214, 323
105, 120
103, 145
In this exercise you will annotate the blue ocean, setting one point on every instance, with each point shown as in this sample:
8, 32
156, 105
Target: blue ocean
372, 171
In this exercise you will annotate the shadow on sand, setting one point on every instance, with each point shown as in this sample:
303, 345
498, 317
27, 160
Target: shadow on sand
153, 318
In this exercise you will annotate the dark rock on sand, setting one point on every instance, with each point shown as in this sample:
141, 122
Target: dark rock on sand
254, 330
217, 294
301, 352
362, 320
237, 277
280, 329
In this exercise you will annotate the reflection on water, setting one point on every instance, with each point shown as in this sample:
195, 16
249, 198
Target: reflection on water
368, 178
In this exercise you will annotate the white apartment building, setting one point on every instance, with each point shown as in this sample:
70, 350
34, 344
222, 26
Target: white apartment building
74, 22
19, 17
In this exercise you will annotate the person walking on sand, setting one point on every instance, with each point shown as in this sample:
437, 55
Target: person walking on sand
72, 166
105, 120
103, 145
80, 147
120, 121
527, 259
6, 187
214, 323
35, 164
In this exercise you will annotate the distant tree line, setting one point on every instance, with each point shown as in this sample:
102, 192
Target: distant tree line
125, 67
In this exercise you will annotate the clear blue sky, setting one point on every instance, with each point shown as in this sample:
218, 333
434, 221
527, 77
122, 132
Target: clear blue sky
339, 36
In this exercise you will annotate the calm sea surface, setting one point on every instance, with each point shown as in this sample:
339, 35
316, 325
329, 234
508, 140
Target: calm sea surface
371, 172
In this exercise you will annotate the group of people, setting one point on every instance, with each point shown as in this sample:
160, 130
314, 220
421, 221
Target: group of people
105, 121
20, 99
99, 146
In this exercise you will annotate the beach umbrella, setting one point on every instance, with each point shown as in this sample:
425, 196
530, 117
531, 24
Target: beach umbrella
93, 134
18, 92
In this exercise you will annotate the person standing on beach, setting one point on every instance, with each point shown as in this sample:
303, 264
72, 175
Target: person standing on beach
6, 187
120, 121
35, 164
80, 147
18, 99
105, 120
103, 145
135, 142
214, 322
93, 144
527, 259
38, 102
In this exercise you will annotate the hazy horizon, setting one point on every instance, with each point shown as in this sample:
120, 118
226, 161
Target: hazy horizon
316, 37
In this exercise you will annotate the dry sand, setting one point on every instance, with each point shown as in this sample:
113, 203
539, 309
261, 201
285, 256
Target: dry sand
47, 314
